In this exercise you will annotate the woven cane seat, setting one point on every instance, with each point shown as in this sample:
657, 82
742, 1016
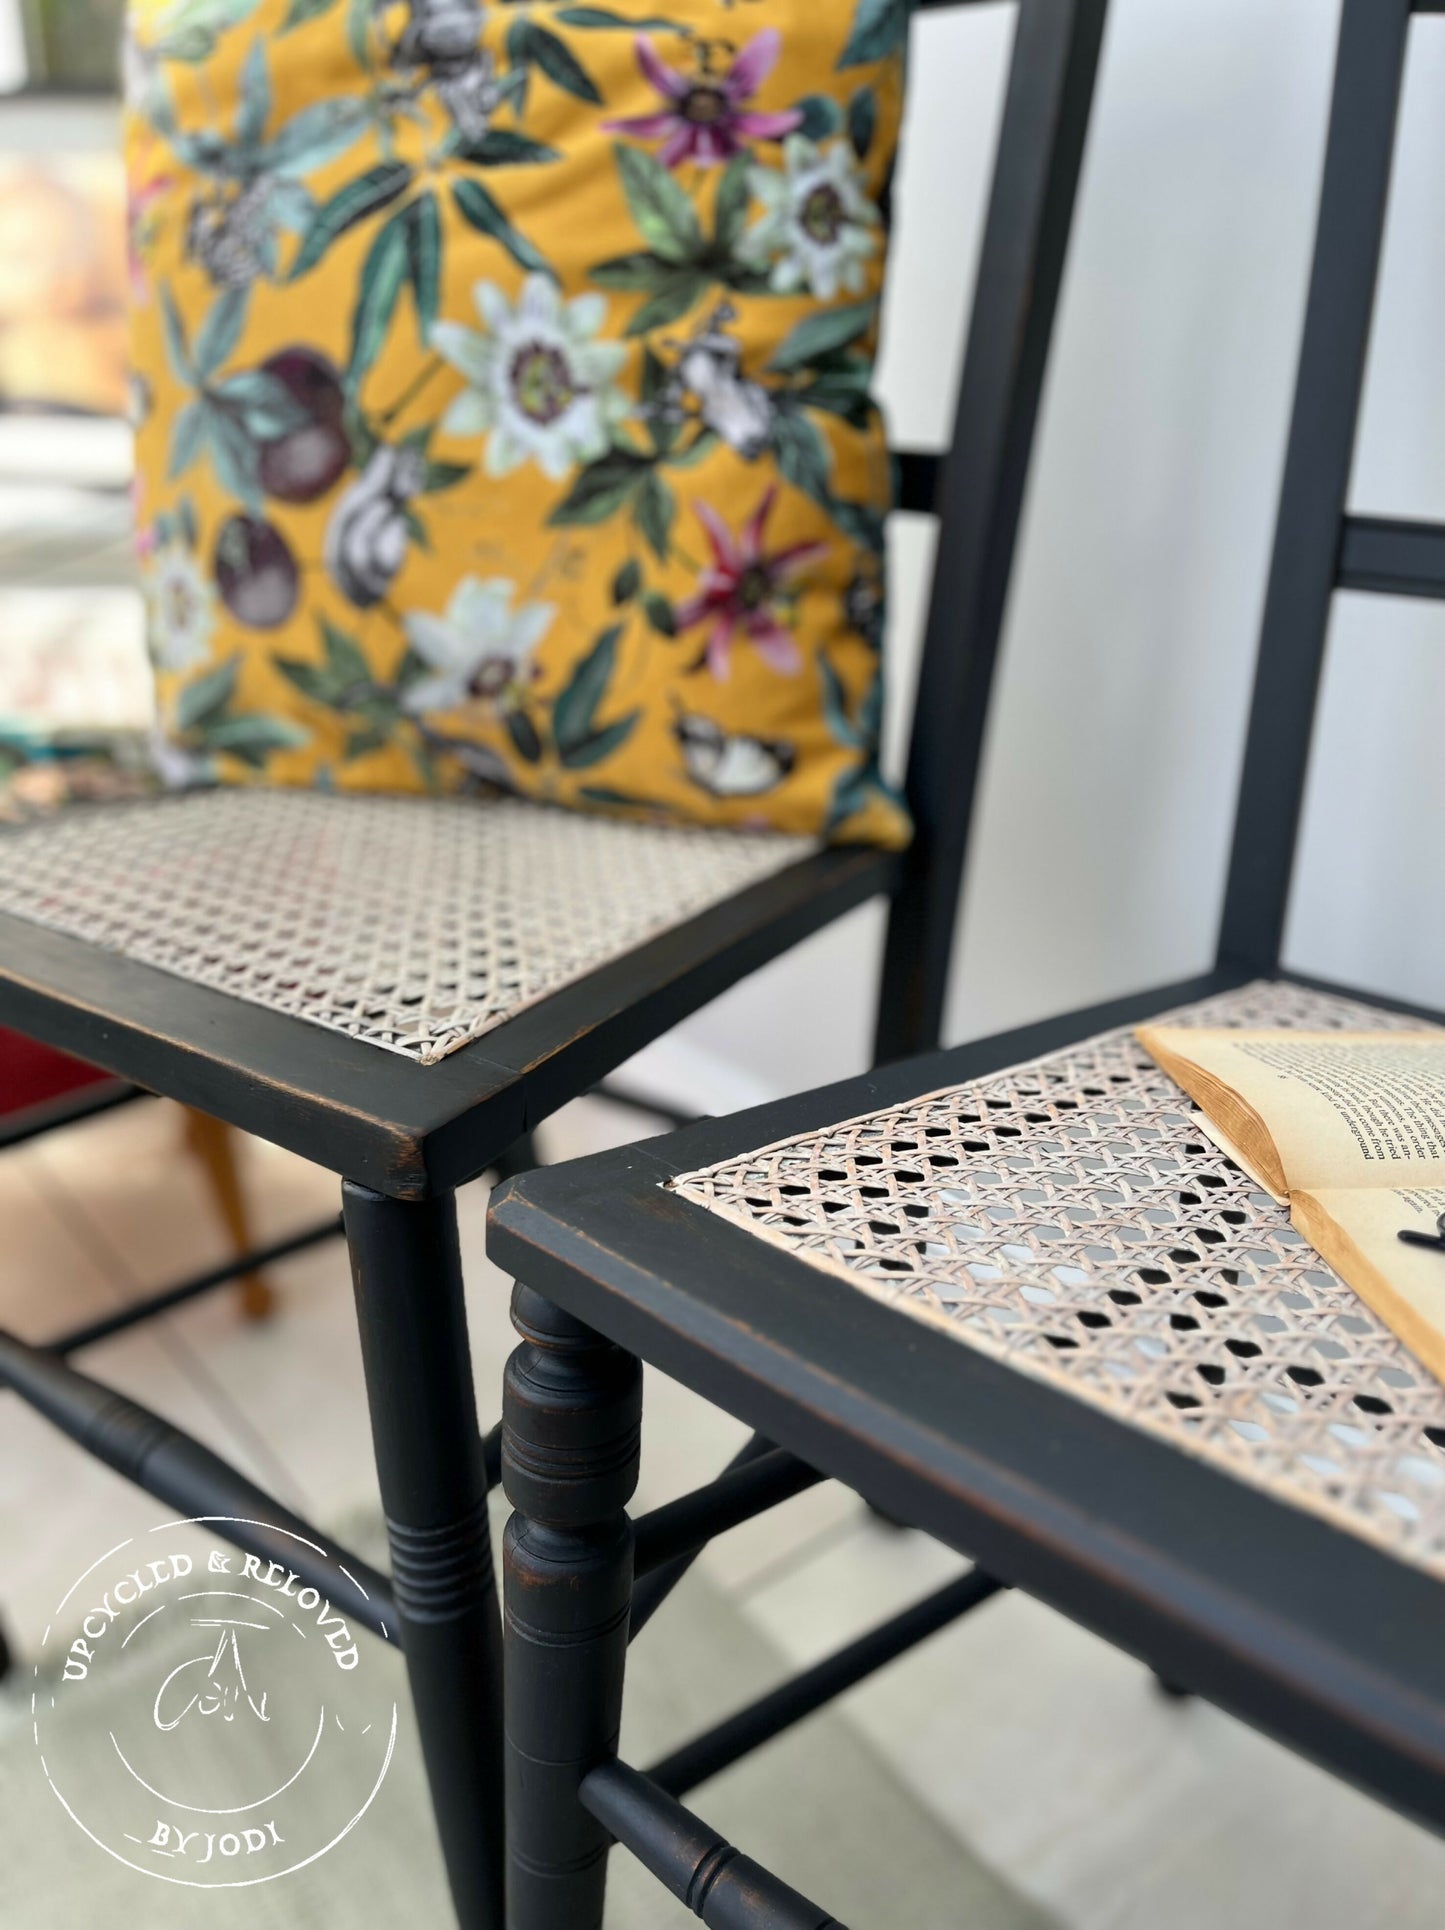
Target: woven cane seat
1068, 1218
413, 924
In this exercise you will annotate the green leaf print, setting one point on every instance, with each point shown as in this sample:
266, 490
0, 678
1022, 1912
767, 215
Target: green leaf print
190, 30
659, 613
316, 135
601, 488
862, 121
344, 658
207, 695
444, 475
255, 109
822, 334
219, 333
178, 353
680, 292
265, 406
628, 273
523, 733
501, 147
526, 41
575, 711
253, 737
366, 195
803, 456
424, 255
480, 211
188, 434
601, 19
879, 27
665, 218
654, 510
300, 11
343, 681
835, 706
731, 212
383, 276
822, 116
602, 743
236, 457
860, 522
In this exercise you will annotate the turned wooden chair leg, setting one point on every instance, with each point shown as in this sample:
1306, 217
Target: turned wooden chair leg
571, 1415
406, 1269
214, 1144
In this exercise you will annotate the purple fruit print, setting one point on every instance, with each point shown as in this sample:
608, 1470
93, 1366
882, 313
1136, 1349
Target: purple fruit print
301, 466
255, 572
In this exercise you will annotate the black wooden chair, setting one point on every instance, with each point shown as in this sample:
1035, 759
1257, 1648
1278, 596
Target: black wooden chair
1168, 1419
188, 945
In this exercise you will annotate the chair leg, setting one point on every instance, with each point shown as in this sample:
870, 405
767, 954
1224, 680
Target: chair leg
214, 1145
406, 1270
571, 1419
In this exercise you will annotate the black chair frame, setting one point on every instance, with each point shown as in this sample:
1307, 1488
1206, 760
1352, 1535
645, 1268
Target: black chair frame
404, 1137
1315, 1637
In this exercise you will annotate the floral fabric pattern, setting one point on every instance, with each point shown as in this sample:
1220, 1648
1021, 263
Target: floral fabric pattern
502, 387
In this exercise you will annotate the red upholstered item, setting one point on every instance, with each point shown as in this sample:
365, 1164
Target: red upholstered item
31, 1073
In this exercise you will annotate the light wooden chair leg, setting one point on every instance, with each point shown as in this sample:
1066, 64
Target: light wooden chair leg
214, 1145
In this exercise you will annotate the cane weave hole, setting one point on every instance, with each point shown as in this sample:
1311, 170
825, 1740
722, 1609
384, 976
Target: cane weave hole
1069, 1218
414, 924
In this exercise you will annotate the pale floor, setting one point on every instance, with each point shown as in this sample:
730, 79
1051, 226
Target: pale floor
1049, 1755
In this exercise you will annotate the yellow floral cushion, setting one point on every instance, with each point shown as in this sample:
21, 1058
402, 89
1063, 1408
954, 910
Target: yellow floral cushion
502, 378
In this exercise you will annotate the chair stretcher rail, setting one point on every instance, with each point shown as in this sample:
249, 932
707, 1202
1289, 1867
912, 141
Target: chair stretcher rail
746, 1489
726, 1889
712, 1752
653, 1589
1391, 557
183, 1290
157, 1457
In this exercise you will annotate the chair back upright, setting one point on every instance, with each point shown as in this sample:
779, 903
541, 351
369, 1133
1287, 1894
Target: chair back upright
976, 489
1319, 547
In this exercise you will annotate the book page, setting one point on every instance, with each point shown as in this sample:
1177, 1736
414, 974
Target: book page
1342, 1108
1355, 1230
1219, 1137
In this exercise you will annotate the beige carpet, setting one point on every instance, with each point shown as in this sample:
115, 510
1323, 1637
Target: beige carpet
818, 1806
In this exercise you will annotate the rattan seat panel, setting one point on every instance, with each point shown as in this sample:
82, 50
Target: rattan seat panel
1067, 1217
414, 924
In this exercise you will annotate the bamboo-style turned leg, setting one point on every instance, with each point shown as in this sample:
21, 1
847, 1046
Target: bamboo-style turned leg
214, 1144
571, 1414
407, 1273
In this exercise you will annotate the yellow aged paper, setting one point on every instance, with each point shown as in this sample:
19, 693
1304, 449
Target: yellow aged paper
1338, 1109
1356, 1228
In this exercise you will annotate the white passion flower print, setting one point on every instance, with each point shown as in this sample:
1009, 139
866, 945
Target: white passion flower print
479, 652
540, 382
180, 607
818, 226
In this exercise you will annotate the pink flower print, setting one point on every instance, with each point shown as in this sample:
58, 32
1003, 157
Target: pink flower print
737, 590
705, 118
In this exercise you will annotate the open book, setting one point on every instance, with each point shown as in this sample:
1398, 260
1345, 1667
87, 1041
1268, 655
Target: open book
1347, 1128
